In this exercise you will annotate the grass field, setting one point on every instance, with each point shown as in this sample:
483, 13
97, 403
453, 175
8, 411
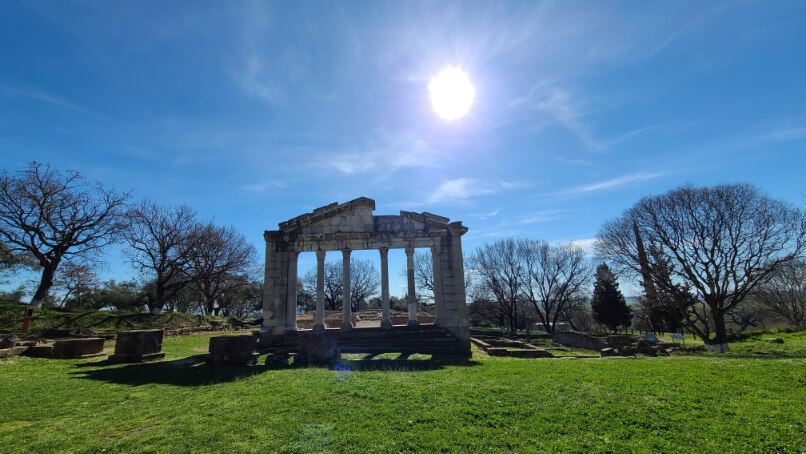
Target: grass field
753, 400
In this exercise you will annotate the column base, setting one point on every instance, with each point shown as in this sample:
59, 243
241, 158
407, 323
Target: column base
413, 323
386, 324
346, 327
319, 328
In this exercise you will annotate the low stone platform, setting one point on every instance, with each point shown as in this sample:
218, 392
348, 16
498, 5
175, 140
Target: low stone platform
509, 347
78, 348
424, 339
232, 350
136, 346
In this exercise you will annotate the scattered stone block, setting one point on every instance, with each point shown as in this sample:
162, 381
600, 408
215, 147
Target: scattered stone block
78, 348
232, 350
39, 351
648, 351
137, 346
8, 341
774, 340
609, 351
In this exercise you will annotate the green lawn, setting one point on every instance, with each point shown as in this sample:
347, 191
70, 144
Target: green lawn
707, 403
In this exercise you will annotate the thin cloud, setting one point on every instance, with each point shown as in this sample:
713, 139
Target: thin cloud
47, 98
461, 189
609, 184
541, 216
254, 81
262, 187
785, 134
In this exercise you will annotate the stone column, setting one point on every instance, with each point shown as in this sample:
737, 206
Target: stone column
436, 266
319, 324
386, 322
412, 296
346, 310
291, 306
274, 289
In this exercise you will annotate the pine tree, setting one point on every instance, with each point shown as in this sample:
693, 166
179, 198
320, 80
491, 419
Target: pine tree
608, 305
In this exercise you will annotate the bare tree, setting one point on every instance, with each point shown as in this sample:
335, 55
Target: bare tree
160, 244
219, 255
499, 279
424, 277
721, 241
557, 278
785, 293
77, 280
53, 215
365, 282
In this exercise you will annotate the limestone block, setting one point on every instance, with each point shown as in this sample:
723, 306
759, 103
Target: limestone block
136, 346
316, 347
774, 340
78, 348
232, 350
39, 351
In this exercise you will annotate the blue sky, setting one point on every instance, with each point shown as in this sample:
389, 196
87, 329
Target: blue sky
256, 112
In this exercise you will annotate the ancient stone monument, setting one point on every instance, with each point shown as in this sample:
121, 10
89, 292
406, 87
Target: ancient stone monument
346, 227
136, 346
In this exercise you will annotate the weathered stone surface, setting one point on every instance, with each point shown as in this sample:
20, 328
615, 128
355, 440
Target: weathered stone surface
316, 347
774, 340
78, 348
136, 346
39, 351
8, 340
352, 226
609, 351
579, 340
232, 350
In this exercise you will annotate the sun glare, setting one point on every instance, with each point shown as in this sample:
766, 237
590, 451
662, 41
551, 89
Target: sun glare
452, 93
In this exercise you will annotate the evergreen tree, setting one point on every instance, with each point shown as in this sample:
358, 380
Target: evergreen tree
608, 305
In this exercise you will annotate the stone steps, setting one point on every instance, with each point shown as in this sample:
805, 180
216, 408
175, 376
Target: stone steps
425, 339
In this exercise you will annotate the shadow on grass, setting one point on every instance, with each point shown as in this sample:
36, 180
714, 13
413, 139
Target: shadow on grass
188, 371
191, 371
401, 365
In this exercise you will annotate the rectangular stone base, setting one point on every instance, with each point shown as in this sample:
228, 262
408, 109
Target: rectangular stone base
136, 358
78, 348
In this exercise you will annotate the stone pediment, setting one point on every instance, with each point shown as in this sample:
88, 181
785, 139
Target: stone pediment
358, 211
354, 225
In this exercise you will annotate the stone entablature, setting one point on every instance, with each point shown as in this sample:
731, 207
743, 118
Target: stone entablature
352, 226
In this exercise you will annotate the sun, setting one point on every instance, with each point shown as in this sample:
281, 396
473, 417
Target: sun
452, 94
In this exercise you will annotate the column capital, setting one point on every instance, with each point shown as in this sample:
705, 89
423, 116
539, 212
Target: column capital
384, 251
320, 255
435, 249
409, 250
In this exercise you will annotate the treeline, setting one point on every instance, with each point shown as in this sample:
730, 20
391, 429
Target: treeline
58, 224
707, 258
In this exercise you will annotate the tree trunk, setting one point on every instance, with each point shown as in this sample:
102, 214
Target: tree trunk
44, 285
720, 343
